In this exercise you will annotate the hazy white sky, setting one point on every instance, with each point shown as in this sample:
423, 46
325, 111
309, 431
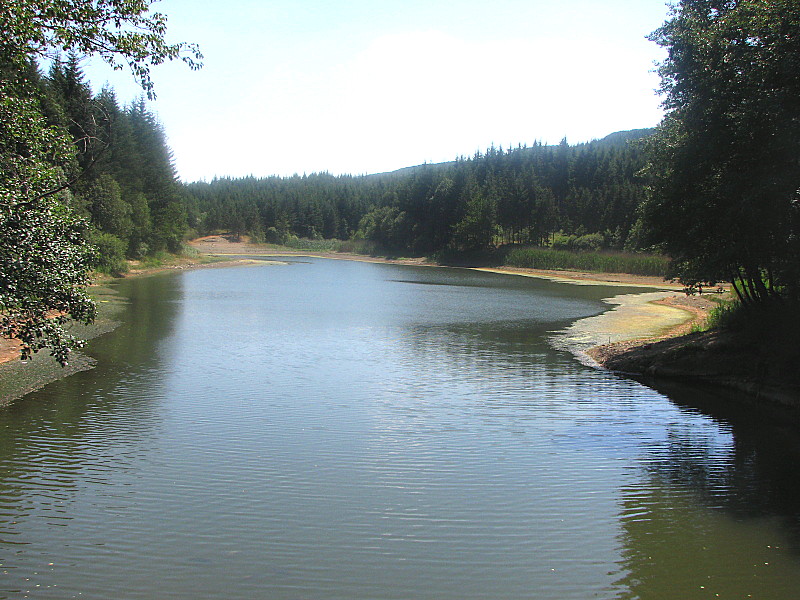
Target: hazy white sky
365, 86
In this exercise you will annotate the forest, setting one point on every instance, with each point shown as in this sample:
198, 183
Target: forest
580, 197
124, 184
122, 178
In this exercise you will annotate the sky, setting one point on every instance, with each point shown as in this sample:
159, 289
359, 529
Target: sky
367, 86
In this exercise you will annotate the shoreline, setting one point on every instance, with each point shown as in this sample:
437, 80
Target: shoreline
648, 336
664, 314
644, 319
234, 254
634, 320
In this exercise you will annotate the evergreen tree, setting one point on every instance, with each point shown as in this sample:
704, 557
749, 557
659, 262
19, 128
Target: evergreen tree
44, 256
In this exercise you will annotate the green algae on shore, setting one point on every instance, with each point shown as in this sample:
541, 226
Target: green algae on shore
635, 316
18, 378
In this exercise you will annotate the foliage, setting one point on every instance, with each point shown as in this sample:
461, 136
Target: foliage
50, 138
121, 32
110, 253
44, 258
723, 164
387, 226
315, 245
588, 242
477, 228
725, 315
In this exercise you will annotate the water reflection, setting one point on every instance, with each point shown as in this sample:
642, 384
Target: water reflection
763, 457
87, 429
719, 512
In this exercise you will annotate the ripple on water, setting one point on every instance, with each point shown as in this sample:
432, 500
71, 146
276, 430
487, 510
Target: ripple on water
454, 455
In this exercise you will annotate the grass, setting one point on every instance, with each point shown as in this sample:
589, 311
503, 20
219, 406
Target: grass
313, 245
598, 262
364, 247
725, 314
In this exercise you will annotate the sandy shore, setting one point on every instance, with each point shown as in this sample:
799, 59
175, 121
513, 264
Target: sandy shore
635, 319
694, 309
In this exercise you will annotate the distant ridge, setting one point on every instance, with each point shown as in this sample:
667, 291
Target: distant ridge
618, 138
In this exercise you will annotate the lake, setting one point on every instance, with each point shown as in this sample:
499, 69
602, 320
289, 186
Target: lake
343, 430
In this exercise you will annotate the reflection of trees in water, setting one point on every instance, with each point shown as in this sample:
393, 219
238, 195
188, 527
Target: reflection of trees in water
719, 512
518, 346
93, 420
148, 318
674, 547
760, 476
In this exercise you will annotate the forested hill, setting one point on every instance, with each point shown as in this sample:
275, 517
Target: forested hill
520, 195
124, 184
622, 138
618, 138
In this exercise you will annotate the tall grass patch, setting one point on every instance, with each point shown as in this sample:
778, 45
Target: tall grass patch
314, 245
598, 262
332, 245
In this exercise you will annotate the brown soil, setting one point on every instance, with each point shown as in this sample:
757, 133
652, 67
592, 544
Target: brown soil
9, 349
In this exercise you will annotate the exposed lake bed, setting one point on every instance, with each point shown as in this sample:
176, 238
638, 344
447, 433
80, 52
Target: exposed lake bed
332, 429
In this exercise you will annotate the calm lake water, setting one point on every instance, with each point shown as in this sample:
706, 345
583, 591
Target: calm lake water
331, 429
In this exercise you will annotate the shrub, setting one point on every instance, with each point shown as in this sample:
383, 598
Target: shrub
110, 253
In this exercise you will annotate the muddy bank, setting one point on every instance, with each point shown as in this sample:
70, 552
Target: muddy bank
759, 365
718, 359
18, 378
634, 319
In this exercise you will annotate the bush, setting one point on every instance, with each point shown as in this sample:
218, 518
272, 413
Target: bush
584, 243
110, 253
273, 236
562, 241
589, 242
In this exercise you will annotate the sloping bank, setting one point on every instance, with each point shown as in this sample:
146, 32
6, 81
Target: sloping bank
757, 370
649, 337
18, 378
